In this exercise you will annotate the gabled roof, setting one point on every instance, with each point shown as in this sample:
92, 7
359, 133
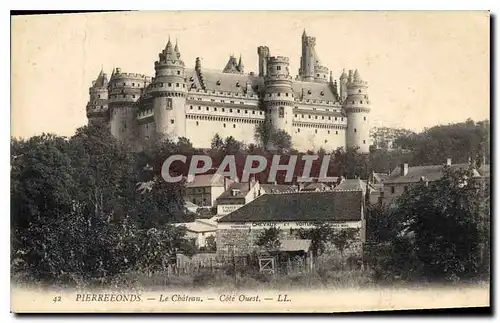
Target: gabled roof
415, 174
205, 180
351, 185
277, 189
309, 206
242, 188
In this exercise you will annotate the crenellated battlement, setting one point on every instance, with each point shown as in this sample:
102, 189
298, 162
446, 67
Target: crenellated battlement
279, 59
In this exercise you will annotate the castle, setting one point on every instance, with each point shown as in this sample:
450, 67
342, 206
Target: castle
198, 103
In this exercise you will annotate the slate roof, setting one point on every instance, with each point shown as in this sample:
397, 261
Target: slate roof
205, 180
301, 90
277, 189
307, 206
243, 189
351, 185
429, 173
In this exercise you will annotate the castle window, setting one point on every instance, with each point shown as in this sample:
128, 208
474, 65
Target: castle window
133, 84
191, 107
260, 112
176, 84
133, 96
184, 85
278, 68
309, 116
234, 126
238, 110
335, 118
237, 84
169, 84
218, 83
221, 92
99, 96
286, 94
355, 130
298, 129
223, 109
364, 141
328, 131
213, 100
392, 189
317, 75
352, 102
279, 94
361, 102
215, 109
322, 93
172, 121
364, 118
336, 132
197, 123
295, 116
315, 130
242, 102
302, 116
124, 96
191, 79
199, 108
224, 125
315, 117
281, 112
230, 110
359, 91
208, 109
246, 111
269, 95
178, 72
222, 101
323, 118
124, 83
253, 112
341, 119
309, 92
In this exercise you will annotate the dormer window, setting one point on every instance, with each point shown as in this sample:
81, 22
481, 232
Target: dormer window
218, 82
309, 92
191, 79
237, 84
322, 93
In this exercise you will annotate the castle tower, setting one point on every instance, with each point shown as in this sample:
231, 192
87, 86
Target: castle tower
357, 108
308, 59
263, 52
97, 107
124, 89
343, 86
278, 94
169, 94
241, 67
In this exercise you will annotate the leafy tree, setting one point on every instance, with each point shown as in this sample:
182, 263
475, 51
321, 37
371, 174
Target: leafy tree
263, 134
211, 244
217, 142
320, 236
269, 239
282, 141
441, 229
343, 239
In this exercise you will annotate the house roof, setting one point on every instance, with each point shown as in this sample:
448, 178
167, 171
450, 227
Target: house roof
319, 91
277, 189
315, 186
380, 176
426, 173
190, 204
351, 185
306, 206
213, 180
243, 189
199, 226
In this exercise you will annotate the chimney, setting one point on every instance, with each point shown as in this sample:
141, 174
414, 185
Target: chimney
448, 161
404, 169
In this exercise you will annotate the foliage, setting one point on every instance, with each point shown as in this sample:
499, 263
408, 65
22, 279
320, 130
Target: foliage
342, 239
269, 239
211, 244
440, 231
320, 236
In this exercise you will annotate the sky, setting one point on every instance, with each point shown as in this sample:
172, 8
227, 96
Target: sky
423, 68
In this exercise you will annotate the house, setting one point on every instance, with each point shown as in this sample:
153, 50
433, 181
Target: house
239, 194
205, 189
198, 230
369, 191
239, 230
403, 177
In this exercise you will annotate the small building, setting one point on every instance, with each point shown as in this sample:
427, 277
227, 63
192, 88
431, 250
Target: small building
403, 177
239, 230
205, 189
199, 230
237, 195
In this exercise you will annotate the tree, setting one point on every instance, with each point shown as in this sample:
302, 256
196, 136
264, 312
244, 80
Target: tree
440, 233
269, 239
217, 142
320, 236
211, 244
282, 141
343, 239
263, 134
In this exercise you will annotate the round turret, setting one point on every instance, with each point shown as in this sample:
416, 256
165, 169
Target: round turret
97, 107
357, 108
124, 89
169, 93
278, 94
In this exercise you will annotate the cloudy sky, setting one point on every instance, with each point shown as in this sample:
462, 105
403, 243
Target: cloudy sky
423, 68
